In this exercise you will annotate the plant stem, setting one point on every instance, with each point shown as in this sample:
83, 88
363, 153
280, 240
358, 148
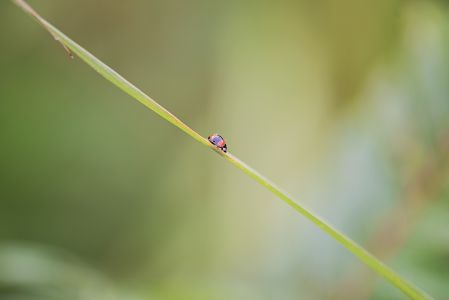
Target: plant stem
375, 264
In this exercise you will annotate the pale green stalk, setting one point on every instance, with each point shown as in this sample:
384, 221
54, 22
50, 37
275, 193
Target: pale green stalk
366, 257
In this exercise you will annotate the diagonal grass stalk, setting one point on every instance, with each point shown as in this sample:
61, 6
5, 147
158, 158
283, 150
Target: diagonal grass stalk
71, 47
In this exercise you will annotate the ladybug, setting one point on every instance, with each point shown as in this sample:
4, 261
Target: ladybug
218, 141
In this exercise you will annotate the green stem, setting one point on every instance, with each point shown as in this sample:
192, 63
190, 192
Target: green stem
366, 257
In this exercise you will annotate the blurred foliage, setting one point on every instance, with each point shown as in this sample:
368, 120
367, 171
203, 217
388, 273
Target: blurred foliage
344, 103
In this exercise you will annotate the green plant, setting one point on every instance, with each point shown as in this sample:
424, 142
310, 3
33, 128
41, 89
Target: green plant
71, 47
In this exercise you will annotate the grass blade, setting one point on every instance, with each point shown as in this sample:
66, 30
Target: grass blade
366, 257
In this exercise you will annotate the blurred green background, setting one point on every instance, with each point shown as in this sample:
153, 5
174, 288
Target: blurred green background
343, 103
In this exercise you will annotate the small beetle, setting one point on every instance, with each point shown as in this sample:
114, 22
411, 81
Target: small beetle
218, 141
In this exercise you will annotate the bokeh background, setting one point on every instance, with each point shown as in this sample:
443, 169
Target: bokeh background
343, 103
